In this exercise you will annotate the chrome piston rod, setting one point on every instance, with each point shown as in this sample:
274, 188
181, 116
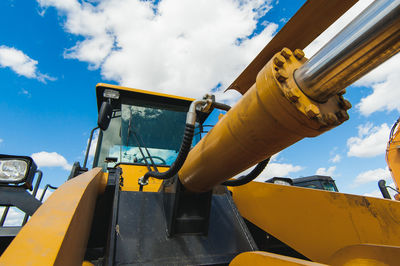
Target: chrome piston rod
369, 40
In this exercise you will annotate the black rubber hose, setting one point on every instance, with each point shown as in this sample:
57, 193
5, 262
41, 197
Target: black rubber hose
244, 179
221, 106
180, 159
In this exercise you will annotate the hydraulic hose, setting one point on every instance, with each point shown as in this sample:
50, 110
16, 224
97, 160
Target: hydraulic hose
184, 149
244, 179
186, 143
183, 152
221, 106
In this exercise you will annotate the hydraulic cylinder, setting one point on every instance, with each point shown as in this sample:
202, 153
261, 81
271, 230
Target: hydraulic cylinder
272, 115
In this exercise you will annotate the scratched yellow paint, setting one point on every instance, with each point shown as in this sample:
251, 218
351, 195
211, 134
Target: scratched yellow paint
59, 230
319, 223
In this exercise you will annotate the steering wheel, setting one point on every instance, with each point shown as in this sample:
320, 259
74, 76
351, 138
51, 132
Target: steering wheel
153, 157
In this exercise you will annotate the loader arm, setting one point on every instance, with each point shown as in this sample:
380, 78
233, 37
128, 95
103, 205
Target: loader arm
59, 230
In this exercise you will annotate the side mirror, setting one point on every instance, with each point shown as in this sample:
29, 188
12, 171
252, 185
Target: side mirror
104, 115
383, 189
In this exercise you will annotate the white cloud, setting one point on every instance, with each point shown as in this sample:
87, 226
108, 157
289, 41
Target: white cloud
376, 194
371, 141
337, 158
14, 216
17, 61
50, 159
283, 20
274, 169
385, 82
25, 92
21, 64
278, 170
92, 150
181, 47
93, 145
191, 47
372, 176
275, 157
326, 171
46, 196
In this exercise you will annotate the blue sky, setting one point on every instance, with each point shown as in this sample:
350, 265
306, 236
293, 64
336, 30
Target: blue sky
53, 53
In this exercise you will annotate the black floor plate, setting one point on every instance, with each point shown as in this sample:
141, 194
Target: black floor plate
141, 236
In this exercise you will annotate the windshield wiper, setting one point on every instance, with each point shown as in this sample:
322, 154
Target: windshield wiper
139, 145
127, 141
138, 137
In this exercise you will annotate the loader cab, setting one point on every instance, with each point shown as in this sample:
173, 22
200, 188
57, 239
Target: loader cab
145, 127
316, 182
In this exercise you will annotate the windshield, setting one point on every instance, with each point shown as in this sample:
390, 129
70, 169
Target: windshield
329, 186
142, 129
318, 184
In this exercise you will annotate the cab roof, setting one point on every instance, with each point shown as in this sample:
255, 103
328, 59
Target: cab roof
140, 94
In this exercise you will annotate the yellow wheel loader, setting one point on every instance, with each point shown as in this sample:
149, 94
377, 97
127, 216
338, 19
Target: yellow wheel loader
161, 194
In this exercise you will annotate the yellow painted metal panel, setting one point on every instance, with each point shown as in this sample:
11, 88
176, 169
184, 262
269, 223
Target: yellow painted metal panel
144, 91
58, 231
318, 223
366, 255
131, 174
393, 157
259, 258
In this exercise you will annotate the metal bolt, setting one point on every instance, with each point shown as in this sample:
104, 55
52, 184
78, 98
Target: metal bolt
299, 54
279, 60
345, 104
286, 53
281, 75
342, 115
312, 111
331, 118
143, 182
293, 95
